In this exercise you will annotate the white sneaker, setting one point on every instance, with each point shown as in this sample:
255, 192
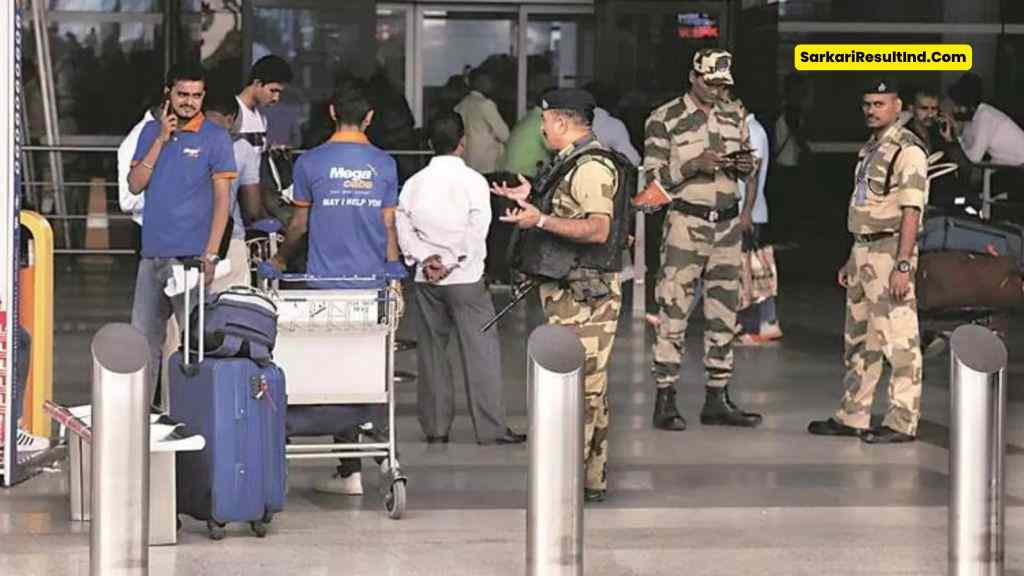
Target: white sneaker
31, 443
770, 331
351, 485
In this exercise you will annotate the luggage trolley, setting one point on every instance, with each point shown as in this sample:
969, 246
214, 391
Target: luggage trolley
336, 346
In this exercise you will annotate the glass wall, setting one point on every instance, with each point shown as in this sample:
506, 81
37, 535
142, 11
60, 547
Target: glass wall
453, 42
560, 52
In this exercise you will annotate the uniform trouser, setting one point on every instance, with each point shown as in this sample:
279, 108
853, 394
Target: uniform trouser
151, 308
694, 250
464, 308
877, 329
594, 322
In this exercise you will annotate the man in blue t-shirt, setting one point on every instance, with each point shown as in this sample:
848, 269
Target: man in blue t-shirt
346, 191
185, 164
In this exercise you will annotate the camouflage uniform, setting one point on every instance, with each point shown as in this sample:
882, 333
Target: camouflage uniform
878, 328
590, 189
695, 248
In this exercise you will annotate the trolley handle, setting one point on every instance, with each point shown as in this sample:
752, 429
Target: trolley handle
312, 278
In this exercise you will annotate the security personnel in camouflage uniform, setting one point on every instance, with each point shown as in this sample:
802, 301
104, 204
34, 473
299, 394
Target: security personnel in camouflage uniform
588, 301
696, 148
890, 191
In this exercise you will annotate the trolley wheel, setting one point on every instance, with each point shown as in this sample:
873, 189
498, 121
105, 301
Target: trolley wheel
259, 529
394, 500
217, 531
268, 517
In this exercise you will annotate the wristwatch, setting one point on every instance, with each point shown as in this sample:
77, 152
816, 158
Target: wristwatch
211, 258
903, 266
540, 222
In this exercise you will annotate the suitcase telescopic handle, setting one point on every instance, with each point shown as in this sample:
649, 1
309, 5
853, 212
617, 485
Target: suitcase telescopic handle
187, 367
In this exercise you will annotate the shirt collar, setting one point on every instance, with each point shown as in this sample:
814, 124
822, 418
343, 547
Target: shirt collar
194, 124
889, 132
447, 160
349, 136
577, 145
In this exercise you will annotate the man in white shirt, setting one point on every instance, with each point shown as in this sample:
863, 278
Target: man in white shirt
268, 78
129, 203
486, 131
990, 131
443, 216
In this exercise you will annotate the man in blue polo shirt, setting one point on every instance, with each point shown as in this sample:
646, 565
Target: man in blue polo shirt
346, 191
185, 164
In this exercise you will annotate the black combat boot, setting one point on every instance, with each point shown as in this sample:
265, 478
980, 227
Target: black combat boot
666, 416
720, 411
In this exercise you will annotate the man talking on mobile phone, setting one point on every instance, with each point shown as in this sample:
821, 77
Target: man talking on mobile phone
185, 164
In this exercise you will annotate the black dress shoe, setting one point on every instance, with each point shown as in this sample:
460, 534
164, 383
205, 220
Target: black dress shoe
886, 435
591, 495
832, 427
437, 439
509, 437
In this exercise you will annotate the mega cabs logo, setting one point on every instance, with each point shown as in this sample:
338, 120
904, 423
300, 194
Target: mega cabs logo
354, 179
355, 183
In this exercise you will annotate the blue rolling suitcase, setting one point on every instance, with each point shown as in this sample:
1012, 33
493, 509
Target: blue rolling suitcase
239, 408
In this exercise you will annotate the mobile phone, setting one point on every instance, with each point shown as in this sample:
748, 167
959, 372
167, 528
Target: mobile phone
736, 153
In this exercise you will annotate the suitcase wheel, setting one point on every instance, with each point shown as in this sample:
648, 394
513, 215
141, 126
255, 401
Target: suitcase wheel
259, 529
217, 531
394, 500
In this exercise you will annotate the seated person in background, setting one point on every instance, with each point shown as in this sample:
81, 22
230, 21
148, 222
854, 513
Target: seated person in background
989, 135
346, 191
990, 132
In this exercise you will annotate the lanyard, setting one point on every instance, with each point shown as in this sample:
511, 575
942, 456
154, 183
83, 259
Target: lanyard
861, 194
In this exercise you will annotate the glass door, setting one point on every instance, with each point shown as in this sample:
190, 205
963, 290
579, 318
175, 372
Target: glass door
327, 44
560, 49
452, 41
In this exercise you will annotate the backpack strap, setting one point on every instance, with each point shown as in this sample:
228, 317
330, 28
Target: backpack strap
888, 171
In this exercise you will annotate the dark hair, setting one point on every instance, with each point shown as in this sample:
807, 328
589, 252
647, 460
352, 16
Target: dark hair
222, 101
581, 117
967, 90
186, 72
350, 105
476, 76
271, 69
606, 95
445, 132
926, 93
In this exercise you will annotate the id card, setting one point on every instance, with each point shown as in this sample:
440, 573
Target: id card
860, 197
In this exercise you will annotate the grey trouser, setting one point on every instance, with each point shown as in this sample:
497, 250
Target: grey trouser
151, 308
464, 308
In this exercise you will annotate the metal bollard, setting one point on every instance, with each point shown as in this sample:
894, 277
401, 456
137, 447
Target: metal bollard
977, 449
554, 514
119, 539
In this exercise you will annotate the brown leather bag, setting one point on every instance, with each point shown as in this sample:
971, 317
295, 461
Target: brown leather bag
966, 280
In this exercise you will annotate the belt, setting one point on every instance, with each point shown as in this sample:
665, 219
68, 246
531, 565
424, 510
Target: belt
706, 212
873, 237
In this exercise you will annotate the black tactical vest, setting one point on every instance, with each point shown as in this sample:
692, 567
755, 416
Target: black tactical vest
540, 253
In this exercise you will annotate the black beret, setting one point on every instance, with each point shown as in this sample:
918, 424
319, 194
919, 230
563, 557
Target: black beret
569, 99
882, 85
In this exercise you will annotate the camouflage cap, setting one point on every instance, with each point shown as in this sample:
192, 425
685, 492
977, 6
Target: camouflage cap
713, 65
